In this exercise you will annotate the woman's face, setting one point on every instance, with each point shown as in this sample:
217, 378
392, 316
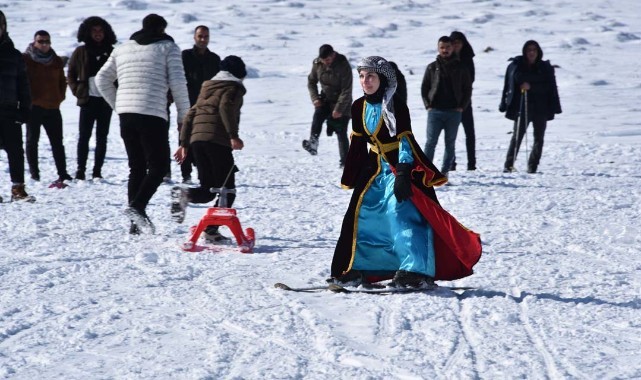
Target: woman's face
531, 53
370, 82
457, 46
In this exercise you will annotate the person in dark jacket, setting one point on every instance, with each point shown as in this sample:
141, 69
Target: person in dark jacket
15, 106
332, 103
464, 51
84, 64
446, 92
529, 77
200, 64
210, 132
45, 70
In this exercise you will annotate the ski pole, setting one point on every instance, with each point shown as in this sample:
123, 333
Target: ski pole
518, 127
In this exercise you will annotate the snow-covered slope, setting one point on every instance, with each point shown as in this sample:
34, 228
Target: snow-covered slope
558, 284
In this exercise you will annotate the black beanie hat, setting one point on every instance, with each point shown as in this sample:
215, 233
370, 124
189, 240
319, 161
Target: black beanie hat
325, 51
234, 65
154, 23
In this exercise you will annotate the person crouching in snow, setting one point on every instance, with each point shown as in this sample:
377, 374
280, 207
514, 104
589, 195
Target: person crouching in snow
210, 131
394, 226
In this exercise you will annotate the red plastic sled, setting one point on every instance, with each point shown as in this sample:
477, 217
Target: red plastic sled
221, 216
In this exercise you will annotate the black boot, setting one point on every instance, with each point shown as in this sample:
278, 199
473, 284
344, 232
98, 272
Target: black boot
405, 279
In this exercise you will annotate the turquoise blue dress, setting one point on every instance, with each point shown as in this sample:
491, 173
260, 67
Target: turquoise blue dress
391, 236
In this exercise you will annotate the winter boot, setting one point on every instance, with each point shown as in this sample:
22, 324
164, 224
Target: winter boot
133, 229
179, 201
311, 145
213, 236
19, 194
80, 175
351, 278
405, 279
140, 219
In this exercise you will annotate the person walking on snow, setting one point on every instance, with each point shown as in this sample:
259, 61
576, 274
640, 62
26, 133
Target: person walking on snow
334, 73
146, 67
15, 106
48, 86
84, 64
210, 132
394, 226
529, 74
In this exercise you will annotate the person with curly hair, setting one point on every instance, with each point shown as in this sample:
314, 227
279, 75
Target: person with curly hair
85, 62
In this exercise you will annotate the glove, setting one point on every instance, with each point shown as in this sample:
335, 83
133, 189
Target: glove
403, 183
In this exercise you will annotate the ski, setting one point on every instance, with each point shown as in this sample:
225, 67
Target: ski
308, 289
380, 289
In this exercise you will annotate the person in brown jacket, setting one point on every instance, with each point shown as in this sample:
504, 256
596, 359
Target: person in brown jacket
84, 64
210, 132
45, 71
333, 103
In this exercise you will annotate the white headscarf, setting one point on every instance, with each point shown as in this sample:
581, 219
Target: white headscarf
380, 66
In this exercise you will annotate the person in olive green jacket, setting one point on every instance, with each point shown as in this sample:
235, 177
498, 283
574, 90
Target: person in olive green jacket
210, 132
333, 103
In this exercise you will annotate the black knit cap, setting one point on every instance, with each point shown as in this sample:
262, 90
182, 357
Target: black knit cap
325, 51
234, 65
154, 23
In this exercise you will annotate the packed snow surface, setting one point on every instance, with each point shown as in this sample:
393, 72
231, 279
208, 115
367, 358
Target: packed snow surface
557, 288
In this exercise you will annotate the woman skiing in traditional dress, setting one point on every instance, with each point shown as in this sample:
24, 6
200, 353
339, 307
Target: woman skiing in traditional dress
394, 225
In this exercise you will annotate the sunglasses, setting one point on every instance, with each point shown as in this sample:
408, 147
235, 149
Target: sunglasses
44, 42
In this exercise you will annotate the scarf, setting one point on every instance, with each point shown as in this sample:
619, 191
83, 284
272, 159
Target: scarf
380, 66
39, 56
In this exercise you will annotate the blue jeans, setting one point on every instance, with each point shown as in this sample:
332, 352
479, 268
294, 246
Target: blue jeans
442, 120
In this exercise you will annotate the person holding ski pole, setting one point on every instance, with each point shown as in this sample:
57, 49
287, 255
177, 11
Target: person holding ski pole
210, 132
530, 94
394, 226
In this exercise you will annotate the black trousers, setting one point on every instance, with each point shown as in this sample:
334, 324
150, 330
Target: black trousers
467, 119
147, 146
338, 126
539, 124
97, 111
214, 163
51, 121
11, 137
186, 166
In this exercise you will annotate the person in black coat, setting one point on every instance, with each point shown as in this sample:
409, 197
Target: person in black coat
464, 50
529, 78
200, 64
15, 105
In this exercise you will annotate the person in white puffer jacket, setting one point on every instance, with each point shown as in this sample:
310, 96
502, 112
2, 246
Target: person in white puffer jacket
146, 67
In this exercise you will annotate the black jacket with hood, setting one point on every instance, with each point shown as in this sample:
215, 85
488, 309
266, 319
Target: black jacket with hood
15, 96
543, 96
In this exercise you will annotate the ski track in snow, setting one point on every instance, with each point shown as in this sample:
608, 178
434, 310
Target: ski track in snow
557, 288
